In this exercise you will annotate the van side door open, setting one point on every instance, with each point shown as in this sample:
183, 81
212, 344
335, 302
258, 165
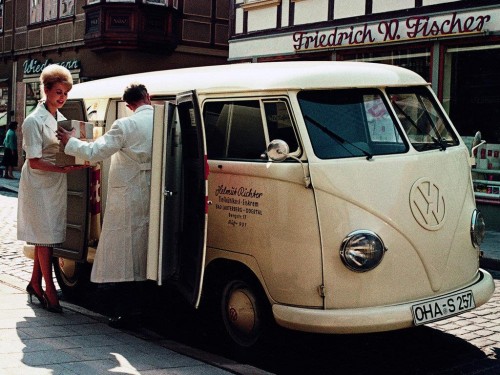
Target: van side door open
78, 217
178, 210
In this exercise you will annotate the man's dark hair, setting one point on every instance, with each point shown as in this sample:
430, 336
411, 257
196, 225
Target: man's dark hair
13, 125
134, 93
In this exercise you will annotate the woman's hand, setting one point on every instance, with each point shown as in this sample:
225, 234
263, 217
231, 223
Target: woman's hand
71, 168
44, 165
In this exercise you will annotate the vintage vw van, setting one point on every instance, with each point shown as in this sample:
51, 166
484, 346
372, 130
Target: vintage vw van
330, 197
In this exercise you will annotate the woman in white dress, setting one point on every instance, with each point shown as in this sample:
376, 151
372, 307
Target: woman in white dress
41, 218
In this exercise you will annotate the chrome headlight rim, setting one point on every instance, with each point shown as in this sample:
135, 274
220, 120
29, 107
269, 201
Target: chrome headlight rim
477, 228
345, 247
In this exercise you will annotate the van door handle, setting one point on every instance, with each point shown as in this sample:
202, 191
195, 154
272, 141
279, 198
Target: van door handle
168, 193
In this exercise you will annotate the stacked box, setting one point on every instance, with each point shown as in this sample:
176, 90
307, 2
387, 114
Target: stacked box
84, 131
488, 156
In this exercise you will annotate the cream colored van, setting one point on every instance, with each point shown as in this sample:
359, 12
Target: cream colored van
330, 197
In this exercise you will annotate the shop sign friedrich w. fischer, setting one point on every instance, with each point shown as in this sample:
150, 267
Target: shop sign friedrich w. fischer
395, 30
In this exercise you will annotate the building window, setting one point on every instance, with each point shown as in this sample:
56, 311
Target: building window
50, 10
171, 3
33, 96
4, 103
1, 15
470, 90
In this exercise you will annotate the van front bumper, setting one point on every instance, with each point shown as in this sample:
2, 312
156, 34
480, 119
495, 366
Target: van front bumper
370, 319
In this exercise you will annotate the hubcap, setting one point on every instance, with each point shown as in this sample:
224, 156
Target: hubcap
67, 267
241, 311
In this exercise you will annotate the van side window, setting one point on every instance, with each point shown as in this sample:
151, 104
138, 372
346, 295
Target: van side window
279, 123
234, 130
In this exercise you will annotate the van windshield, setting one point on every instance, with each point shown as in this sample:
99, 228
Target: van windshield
424, 123
358, 122
350, 123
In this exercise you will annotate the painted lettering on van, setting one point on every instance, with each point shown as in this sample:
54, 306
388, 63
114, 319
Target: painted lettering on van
240, 202
238, 191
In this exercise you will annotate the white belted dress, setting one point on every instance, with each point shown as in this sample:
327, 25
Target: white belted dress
41, 211
122, 250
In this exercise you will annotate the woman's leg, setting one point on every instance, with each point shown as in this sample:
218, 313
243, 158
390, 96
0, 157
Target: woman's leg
45, 259
36, 274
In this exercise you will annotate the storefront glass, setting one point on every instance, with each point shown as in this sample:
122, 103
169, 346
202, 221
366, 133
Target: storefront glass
417, 60
471, 93
32, 96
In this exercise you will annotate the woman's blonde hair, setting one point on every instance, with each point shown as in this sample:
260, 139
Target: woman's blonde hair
53, 74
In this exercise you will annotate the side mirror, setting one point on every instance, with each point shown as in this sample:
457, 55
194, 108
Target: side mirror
277, 150
476, 142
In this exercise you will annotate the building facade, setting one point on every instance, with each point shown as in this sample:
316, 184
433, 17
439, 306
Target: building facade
453, 44
101, 38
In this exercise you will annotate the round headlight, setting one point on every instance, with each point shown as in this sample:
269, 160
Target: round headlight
362, 250
477, 228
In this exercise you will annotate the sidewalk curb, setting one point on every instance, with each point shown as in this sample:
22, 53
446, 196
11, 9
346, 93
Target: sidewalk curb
148, 335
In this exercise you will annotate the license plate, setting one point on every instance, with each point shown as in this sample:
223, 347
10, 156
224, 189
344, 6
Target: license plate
441, 308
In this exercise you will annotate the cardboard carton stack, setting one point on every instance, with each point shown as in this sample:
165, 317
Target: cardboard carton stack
488, 156
84, 131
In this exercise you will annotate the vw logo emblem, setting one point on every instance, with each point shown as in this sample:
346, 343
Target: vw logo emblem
427, 204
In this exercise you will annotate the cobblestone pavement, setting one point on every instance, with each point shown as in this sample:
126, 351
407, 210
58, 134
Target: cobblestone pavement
12, 260
479, 329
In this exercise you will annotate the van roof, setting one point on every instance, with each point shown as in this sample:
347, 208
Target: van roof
255, 77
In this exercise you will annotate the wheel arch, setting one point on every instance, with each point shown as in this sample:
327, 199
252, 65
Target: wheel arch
220, 269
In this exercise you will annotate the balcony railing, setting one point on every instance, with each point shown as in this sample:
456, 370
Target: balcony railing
134, 26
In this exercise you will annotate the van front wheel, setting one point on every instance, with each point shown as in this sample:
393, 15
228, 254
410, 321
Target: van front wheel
73, 277
243, 312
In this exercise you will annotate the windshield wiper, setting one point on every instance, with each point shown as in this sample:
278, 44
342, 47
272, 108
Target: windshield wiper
337, 137
436, 141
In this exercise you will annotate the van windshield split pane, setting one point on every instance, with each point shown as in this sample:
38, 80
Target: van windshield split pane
350, 123
358, 122
423, 121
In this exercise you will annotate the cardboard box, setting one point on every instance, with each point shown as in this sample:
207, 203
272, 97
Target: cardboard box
84, 130
63, 160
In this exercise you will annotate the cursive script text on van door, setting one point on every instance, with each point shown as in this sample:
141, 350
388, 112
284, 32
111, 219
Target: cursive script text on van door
238, 191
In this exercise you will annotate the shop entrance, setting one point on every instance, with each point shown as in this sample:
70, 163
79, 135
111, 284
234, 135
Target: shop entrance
474, 95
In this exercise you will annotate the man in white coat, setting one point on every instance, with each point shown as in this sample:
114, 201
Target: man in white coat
122, 250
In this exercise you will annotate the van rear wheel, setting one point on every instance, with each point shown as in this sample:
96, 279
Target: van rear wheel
73, 277
243, 312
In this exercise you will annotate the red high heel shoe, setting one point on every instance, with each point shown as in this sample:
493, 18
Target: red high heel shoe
31, 292
56, 308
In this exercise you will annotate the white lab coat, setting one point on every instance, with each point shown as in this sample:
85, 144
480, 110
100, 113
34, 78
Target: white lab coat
41, 211
122, 250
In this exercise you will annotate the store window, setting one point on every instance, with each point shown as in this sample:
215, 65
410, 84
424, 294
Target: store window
33, 96
417, 60
50, 10
4, 102
4, 105
1, 15
471, 92
172, 3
